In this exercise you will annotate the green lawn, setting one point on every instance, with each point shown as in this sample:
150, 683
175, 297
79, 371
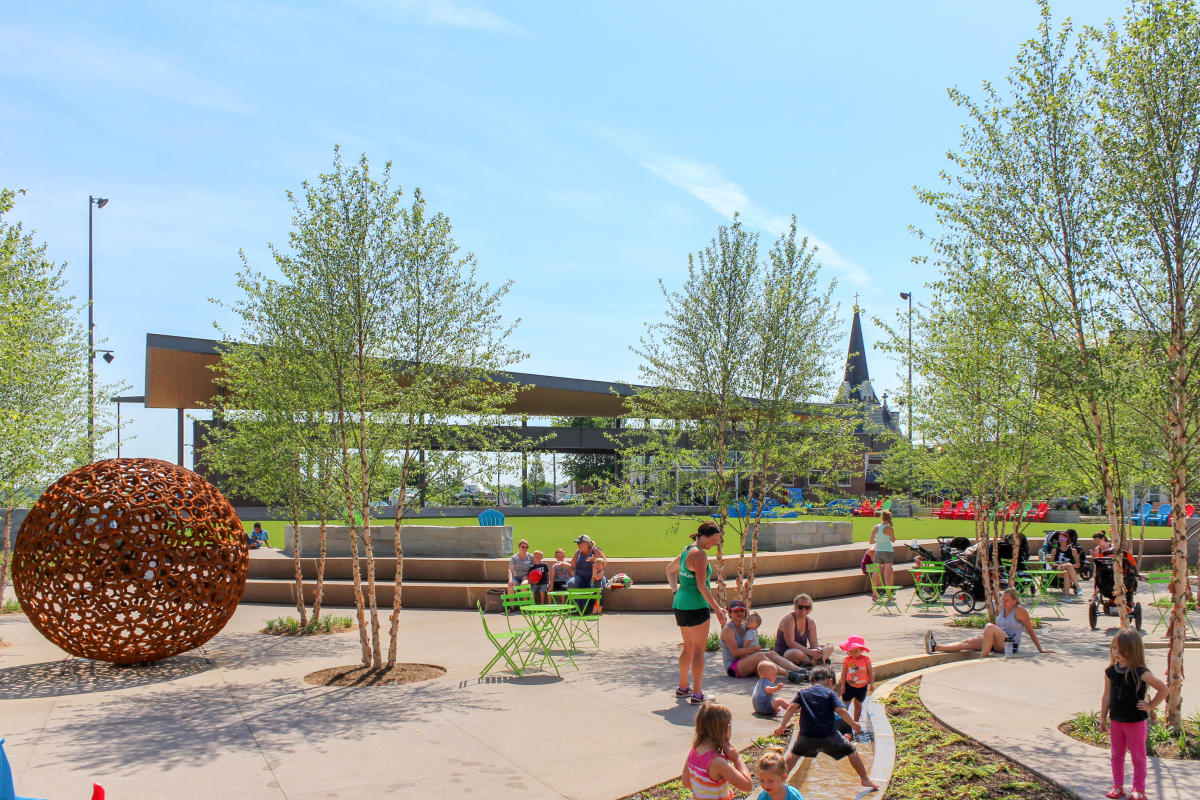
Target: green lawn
647, 536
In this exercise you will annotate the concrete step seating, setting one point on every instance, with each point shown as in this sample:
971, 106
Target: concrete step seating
460, 582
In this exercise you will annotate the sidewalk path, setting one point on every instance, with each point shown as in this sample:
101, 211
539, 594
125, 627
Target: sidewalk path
1016, 705
238, 721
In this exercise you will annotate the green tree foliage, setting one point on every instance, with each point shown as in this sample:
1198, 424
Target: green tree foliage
595, 469
388, 337
733, 373
1148, 138
43, 373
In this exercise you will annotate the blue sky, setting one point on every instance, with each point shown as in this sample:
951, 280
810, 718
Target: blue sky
582, 150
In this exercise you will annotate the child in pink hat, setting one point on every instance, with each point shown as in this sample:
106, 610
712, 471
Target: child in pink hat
857, 678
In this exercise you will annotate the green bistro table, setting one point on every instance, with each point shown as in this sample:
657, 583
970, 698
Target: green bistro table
927, 588
548, 622
1043, 582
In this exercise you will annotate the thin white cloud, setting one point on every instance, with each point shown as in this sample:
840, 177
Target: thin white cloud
109, 64
441, 14
707, 184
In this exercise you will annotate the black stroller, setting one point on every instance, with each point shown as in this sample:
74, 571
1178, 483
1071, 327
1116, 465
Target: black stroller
961, 575
1106, 586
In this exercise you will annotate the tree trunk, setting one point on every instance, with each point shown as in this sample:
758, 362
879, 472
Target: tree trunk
319, 595
6, 555
398, 585
359, 601
299, 572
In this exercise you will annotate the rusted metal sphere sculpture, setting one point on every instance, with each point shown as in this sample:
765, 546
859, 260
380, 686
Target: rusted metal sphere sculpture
130, 560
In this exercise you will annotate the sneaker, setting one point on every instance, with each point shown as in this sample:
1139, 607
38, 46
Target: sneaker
697, 698
798, 675
683, 691
930, 643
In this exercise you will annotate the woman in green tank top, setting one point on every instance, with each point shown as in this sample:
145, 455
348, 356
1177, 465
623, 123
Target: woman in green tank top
693, 605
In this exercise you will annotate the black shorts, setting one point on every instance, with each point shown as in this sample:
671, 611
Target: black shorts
691, 617
834, 745
858, 693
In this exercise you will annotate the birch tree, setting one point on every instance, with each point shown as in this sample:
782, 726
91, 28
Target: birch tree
1149, 146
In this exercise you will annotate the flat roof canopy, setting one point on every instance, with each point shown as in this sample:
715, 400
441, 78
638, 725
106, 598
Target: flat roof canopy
179, 374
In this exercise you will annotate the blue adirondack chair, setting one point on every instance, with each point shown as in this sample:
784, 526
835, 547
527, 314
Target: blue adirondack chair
1142, 517
7, 790
1164, 515
491, 517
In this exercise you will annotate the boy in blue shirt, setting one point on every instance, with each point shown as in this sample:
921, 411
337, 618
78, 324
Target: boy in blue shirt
819, 707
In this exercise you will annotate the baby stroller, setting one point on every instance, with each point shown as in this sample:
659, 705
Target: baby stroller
1105, 585
961, 575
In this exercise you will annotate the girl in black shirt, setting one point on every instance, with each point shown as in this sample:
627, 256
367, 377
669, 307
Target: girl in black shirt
1124, 701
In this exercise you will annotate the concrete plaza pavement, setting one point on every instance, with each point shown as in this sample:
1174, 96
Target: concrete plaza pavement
236, 718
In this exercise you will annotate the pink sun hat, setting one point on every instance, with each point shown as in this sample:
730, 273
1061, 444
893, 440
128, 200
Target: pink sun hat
852, 642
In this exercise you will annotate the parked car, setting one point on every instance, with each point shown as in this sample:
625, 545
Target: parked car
543, 499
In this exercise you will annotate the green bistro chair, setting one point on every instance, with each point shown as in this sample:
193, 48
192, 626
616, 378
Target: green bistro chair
928, 581
521, 596
585, 618
885, 596
508, 646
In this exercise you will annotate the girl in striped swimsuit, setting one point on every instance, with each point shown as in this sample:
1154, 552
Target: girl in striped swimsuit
713, 768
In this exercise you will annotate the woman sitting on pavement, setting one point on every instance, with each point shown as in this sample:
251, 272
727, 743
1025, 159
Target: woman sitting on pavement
1010, 623
796, 638
741, 654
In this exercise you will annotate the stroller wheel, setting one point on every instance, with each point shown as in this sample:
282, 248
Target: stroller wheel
963, 602
1092, 615
1137, 616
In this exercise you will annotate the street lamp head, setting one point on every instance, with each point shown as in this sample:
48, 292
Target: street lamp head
905, 295
101, 202
108, 358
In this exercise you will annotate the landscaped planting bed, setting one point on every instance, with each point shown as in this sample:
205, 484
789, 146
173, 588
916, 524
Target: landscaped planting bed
933, 761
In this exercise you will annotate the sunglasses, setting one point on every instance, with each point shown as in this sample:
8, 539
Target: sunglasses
524, 546
804, 608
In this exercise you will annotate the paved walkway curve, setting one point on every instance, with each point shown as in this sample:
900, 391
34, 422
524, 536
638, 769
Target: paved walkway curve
1015, 706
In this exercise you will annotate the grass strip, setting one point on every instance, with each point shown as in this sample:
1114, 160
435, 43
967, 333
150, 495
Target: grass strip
933, 761
290, 626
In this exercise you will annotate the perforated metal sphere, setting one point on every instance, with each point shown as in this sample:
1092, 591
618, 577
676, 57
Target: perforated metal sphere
130, 560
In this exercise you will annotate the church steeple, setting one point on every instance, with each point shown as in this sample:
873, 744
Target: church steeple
856, 384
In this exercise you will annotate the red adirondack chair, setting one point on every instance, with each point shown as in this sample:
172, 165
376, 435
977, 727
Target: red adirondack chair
960, 511
1013, 508
1038, 514
942, 513
1189, 510
878, 507
970, 512
863, 510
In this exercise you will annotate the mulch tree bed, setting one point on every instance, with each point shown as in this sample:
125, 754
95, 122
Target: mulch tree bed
673, 789
358, 675
933, 761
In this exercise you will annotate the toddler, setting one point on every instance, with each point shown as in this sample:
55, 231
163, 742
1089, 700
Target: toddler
598, 565
713, 768
561, 571
1125, 703
857, 679
762, 697
539, 577
753, 623
772, 773
819, 707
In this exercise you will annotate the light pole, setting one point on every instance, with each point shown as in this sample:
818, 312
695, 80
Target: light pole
908, 391
93, 202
